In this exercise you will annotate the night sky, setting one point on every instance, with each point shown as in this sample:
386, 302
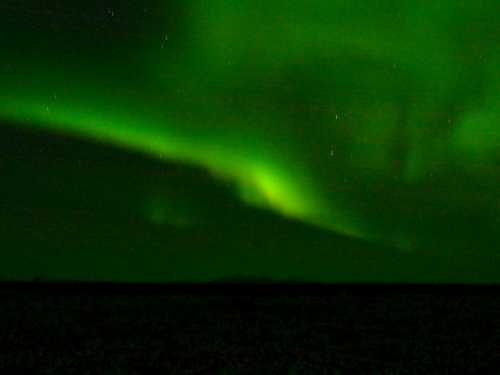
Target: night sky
323, 141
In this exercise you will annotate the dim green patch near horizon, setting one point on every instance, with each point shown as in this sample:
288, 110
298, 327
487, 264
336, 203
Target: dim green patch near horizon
376, 120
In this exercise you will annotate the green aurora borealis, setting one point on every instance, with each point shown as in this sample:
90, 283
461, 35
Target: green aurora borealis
280, 139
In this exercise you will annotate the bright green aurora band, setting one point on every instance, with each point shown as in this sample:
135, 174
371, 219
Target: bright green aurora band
350, 116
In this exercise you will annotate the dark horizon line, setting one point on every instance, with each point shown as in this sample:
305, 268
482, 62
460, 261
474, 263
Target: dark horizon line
241, 287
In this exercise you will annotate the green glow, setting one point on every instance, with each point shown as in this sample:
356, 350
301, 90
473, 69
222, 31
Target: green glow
271, 36
477, 136
159, 211
349, 116
264, 179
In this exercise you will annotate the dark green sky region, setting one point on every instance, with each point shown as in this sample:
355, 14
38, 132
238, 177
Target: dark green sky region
319, 141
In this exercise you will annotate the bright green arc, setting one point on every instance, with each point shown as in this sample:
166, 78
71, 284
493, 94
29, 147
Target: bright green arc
264, 180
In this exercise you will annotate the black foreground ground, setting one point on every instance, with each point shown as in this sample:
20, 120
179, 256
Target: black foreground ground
248, 329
